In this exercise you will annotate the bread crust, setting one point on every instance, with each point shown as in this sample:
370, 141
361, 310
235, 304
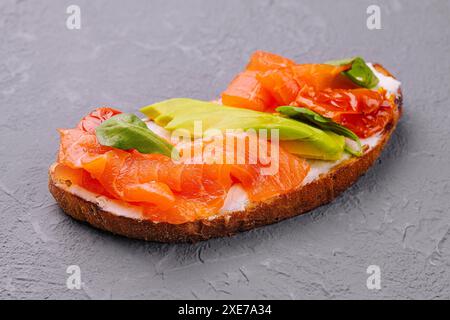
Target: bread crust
319, 192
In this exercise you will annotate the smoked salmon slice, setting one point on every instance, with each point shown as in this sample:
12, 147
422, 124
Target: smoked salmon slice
271, 81
322, 76
363, 111
264, 61
285, 83
281, 84
92, 120
168, 191
245, 91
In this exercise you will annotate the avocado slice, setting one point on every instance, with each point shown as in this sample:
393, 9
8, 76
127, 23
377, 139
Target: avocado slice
310, 151
181, 113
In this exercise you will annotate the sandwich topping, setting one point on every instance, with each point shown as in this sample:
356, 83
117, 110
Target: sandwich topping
168, 190
339, 90
278, 123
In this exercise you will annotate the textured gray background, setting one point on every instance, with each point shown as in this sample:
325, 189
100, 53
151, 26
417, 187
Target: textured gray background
131, 53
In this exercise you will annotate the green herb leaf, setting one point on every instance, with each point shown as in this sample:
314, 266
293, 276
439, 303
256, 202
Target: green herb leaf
310, 117
126, 131
359, 72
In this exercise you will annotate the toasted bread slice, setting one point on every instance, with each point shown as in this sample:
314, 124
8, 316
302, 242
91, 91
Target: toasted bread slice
307, 197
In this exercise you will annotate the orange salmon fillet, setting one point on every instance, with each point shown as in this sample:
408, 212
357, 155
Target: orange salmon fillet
168, 191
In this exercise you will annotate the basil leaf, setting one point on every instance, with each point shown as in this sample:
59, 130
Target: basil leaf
359, 72
126, 131
310, 117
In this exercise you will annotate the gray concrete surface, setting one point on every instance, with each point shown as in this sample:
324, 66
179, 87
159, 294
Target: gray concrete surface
131, 53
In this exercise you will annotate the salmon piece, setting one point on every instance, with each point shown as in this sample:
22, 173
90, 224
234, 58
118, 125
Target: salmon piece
67, 175
95, 165
120, 177
78, 177
361, 110
245, 91
93, 185
168, 191
322, 76
281, 84
326, 91
150, 180
265, 61
366, 125
76, 146
290, 173
92, 120
271, 80
254, 172
185, 209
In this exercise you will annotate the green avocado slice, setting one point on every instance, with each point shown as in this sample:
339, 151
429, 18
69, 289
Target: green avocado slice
181, 113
